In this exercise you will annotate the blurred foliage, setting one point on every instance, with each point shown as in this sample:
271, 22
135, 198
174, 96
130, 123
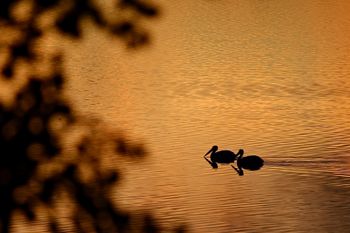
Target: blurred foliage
49, 158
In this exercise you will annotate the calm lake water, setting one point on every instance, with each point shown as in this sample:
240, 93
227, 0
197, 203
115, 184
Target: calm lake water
271, 77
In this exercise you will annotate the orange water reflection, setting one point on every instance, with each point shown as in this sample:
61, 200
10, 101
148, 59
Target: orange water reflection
267, 76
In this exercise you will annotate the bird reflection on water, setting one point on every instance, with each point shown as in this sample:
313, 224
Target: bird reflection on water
250, 162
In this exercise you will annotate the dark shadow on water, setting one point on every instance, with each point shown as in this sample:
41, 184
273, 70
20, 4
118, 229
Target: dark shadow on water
250, 162
39, 171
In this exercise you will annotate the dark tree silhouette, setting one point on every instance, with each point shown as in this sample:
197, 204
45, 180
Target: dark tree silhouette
38, 170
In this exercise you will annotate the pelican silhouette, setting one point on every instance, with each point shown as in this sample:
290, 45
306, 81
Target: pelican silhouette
223, 156
250, 162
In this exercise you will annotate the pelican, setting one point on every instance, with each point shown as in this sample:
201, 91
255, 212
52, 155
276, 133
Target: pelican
250, 162
223, 156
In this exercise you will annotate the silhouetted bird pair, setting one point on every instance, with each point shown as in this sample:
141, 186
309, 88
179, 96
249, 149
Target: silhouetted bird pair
250, 162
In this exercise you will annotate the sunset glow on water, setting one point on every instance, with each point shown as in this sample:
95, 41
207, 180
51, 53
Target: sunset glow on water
268, 76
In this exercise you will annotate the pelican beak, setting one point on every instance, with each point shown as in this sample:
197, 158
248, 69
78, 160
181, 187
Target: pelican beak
209, 152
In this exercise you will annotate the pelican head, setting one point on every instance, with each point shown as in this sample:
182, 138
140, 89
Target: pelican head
213, 149
240, 152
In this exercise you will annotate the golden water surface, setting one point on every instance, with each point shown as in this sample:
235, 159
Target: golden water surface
271, 77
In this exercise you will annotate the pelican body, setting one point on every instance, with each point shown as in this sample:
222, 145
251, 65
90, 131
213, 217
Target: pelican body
250, 162
223, 156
